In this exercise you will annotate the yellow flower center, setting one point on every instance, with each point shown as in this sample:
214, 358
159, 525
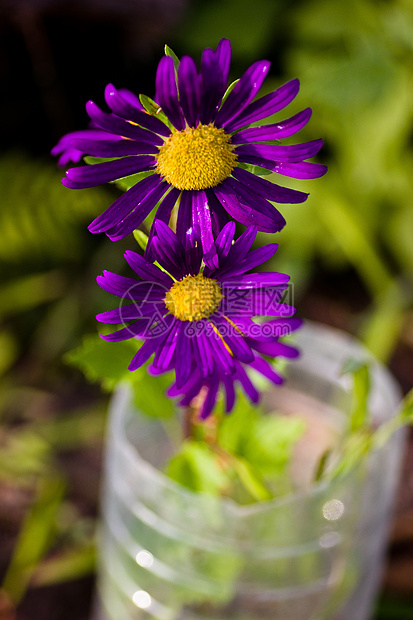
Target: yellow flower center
193, 298
196, 158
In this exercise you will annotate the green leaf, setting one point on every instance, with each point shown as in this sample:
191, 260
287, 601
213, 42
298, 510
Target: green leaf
196, 467
250, 479
91, 161
103, 362
123, 183
154, 109
229, 89
40, 219
264, 440
107, 363
171, 53
68, 565
359, 415
35, 537
261, 172
27, 292
150, 393
126, 183
403, 418
141, 238
8, 351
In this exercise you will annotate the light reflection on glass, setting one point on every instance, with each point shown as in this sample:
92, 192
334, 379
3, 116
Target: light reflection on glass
144, 558
333, 510
142, 599
329, 539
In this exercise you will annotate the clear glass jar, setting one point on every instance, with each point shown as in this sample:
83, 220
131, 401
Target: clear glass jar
167, 553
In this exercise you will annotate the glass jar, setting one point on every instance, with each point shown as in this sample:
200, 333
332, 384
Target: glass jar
167, 553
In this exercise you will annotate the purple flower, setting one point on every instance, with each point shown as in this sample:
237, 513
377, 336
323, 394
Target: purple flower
193, 147
208, 387
199, 321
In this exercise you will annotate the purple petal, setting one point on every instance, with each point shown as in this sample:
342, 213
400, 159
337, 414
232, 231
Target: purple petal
276, 131
167, 259
130, 288
224, 240
139, 212
123, 205
252, 260
163, 214
302, 170
147, 271
243, 93
242, 245
240, 349
184, 219
166, 350
229, 393
183, 356
120, 148
71, 154
222, 357
243, 299
267, 105
202, 352
167, 93
248, 208
223, 55
171, 243
128, 96
189, 90
212, 86
148, 348
130, 312
201, 219
267, 189
210, 399
194, 253
234, 276
266, 332
274, 349
237, 252
130, 331
116, 125
116, 101
263, 367
219, 217
247, 385
98, 174
288, 153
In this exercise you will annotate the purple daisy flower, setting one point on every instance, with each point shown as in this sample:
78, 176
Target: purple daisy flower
208, 387
193, 146
201, 320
